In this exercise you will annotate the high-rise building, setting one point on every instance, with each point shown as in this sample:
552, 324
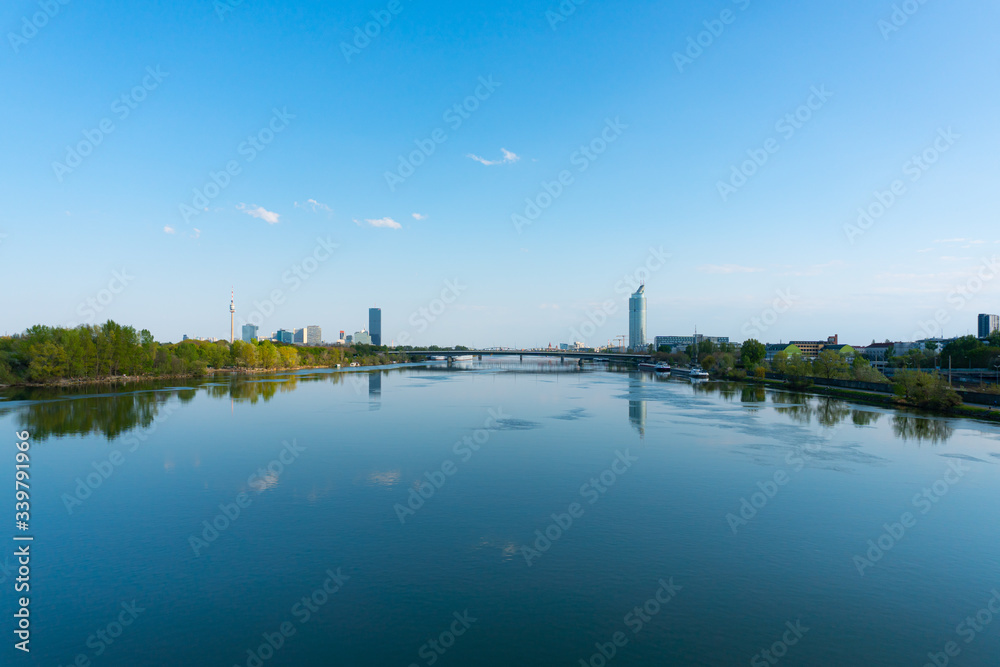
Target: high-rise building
683, 341
988, 324
300, 337
637, 319
285, 336
375, 325
363, 338
341, 335
249, 333
314, 335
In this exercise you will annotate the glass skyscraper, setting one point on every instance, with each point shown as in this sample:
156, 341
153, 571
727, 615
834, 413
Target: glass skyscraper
988, 324
637, 319
375, 325
249, 332
314, 335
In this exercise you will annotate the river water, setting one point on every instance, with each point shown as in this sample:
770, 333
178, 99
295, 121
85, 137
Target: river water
500, 513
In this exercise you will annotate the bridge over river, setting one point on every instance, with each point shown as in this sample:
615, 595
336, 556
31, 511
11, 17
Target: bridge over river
558, 354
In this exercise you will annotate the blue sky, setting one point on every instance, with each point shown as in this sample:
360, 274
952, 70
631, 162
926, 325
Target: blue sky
201, 78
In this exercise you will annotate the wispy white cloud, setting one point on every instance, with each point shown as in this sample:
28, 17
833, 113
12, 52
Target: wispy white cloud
813, 270
728, 268
508, 158
950, 240
197, 233
419, 216
385, 223
168, 229
270, 217
314, 206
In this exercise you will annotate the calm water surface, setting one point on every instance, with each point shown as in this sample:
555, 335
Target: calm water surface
502, 514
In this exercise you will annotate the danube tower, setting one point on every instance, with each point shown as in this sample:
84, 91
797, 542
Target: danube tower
232, 316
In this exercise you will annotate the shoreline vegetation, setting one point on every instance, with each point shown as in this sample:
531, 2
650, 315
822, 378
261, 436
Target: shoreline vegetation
877, 399
114, 354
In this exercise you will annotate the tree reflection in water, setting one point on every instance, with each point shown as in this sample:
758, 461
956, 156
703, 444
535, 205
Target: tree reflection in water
921, 429
54, 412
795, 406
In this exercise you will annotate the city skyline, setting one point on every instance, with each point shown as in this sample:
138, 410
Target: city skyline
637, 338
857, 200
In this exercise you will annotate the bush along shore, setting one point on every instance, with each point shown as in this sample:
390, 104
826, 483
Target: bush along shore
925, 392
111, 354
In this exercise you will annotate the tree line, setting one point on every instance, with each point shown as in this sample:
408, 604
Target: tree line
43, 354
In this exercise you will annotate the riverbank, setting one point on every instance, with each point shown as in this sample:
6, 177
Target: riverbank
122, 380
880, 399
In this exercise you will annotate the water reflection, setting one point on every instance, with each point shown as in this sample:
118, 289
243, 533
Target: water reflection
374, 390
830, 411
793, 405
865, 417
753, 393
921, 429
53, 412
636, 404
109, 416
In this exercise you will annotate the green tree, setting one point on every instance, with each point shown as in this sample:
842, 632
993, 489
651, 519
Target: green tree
289, 356
267, 354
780, 362
752, 353
925, 390
830, 364
798, 372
